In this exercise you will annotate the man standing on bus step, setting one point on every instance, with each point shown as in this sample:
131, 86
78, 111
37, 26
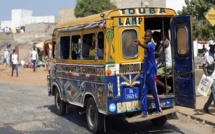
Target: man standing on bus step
150, 72
208, 68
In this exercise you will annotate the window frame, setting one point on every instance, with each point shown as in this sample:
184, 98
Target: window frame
128, 57
181, 45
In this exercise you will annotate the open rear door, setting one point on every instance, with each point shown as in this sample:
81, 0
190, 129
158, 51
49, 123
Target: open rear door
184, 76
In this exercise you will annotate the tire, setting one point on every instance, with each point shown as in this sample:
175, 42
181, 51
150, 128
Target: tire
160, 121
95, 120
59, 104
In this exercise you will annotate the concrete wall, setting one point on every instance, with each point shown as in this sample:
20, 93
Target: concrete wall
21, 17
66, 14
42, 19
40, 27
5, 24
34, 31
6, 37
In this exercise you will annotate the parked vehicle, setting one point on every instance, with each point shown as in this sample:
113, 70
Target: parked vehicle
111, 85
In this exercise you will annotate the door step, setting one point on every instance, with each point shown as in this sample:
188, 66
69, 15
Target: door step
137, 118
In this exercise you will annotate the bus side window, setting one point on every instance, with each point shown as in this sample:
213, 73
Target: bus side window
64, 47
100, 49
75, 47
88, 48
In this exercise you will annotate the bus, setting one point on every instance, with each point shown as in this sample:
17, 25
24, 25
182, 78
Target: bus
97, 68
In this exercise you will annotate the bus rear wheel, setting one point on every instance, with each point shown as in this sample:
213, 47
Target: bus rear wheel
95, 120
160, 121
59, 104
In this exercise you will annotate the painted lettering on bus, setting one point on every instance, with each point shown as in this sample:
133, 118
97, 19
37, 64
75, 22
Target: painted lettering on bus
142, 11
128, 106
129, 21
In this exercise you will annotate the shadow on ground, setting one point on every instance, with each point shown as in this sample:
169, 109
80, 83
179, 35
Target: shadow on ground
115, 125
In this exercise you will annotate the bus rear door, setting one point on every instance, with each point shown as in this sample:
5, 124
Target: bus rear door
184, 77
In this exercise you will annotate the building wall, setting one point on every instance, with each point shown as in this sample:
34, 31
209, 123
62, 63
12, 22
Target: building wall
6, 37
19, 17
40, 28
66, 14
5, 24
42, 19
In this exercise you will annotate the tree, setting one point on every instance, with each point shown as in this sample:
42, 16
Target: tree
202, 29
88, 7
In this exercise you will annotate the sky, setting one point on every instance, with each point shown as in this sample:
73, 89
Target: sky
39, 7
175, 4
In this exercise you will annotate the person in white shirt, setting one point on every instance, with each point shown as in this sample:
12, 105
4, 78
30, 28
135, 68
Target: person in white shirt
7, 58
208, 68
34, 57
14, 59
164, 58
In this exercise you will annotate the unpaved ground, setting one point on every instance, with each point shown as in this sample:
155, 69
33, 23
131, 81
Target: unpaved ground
26, 76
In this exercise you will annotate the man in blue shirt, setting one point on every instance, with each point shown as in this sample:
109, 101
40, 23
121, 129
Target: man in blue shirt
150, 71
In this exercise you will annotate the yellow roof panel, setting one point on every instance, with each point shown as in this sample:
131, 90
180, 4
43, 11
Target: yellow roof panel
84, 20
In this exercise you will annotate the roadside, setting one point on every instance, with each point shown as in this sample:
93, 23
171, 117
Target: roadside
26, 76
199, 114
38, 78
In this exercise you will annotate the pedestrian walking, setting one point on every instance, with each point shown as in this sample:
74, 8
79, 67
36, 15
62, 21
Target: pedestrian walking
208, 68
34, 58
15, 63
7, 57
150, 75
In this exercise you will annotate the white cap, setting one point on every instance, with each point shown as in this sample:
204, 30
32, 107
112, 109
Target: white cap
211, 42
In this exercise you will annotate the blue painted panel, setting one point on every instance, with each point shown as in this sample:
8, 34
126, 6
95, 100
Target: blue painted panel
184, 77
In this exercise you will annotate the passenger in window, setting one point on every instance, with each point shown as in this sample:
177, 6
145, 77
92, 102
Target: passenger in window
150, 74
87, 45
100, 50
165, 56
75, 51
159, 53
157, 40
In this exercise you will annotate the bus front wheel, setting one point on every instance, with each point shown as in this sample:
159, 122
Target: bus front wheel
60, 105
160, 121
95, 120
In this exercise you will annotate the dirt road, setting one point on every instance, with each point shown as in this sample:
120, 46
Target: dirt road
26, 76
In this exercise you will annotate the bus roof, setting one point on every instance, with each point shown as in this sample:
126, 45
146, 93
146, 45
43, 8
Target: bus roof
84, 20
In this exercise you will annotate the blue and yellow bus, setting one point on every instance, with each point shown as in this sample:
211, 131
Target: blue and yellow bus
111, 84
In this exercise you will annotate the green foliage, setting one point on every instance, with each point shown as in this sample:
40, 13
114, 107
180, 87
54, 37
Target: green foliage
88, 7
202, 29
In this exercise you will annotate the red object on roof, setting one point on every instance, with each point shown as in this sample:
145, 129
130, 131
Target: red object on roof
202, 41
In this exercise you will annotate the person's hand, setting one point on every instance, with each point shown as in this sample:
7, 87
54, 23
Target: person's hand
136, 42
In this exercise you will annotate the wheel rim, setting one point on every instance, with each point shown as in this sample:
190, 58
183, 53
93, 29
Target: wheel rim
57, 101
91, 115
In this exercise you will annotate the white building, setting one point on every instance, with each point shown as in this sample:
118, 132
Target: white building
21, 17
